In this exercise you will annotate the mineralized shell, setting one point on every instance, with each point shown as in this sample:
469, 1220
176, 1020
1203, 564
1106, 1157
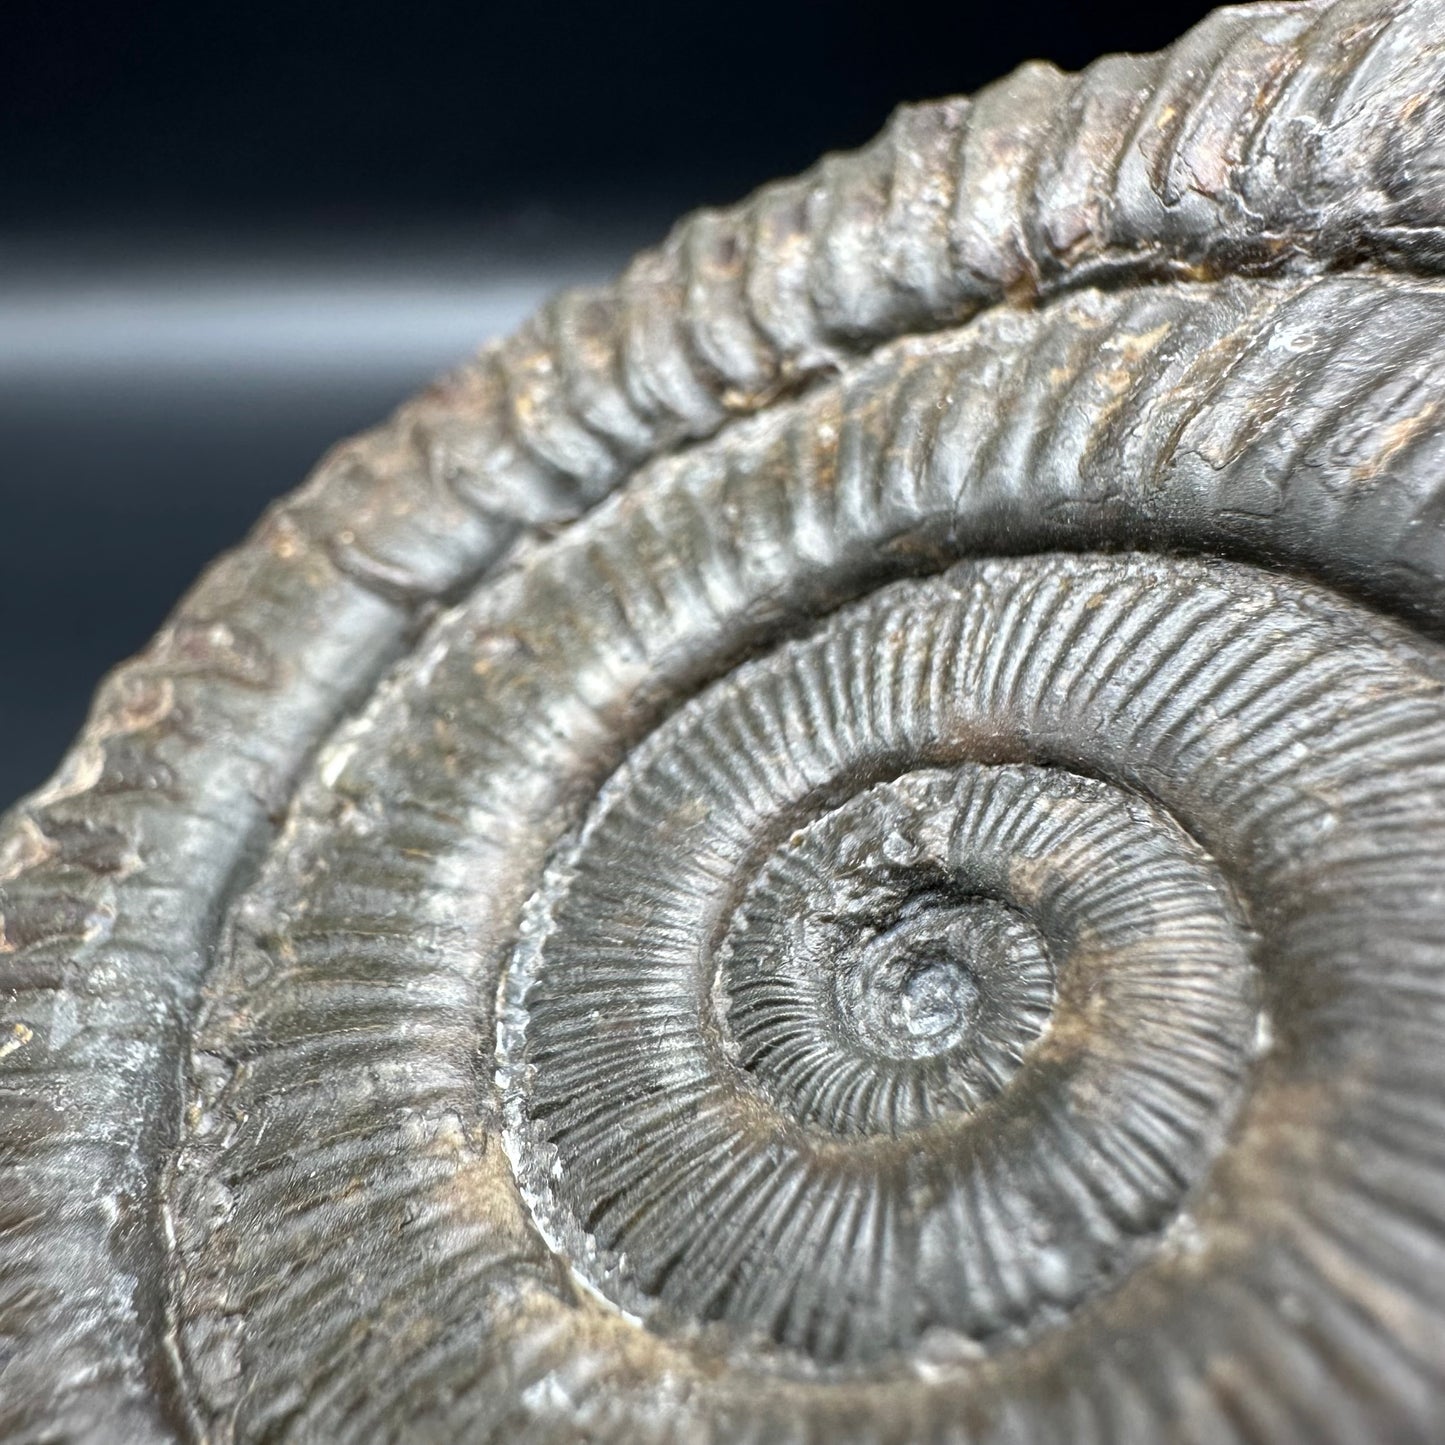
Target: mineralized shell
840, 840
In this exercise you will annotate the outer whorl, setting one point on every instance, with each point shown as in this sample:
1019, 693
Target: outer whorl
841, 840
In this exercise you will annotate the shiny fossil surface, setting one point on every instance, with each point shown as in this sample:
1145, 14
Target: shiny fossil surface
841, 840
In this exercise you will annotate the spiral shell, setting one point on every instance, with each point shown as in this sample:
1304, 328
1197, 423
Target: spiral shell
841, 840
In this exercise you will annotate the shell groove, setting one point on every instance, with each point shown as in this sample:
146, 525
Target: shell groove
899, 893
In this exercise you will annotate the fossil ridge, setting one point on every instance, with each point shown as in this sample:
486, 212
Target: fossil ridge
840, 840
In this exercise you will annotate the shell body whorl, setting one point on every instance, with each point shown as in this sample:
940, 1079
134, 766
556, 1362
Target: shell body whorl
841, 840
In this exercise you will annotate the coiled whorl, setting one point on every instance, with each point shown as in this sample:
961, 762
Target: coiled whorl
842, 840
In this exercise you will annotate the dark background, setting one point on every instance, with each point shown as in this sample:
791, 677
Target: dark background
231, 233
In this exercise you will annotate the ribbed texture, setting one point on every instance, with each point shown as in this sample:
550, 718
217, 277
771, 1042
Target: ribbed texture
1072, 313
658, 1145
581, 651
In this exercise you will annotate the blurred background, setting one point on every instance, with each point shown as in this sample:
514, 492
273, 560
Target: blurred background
232, 233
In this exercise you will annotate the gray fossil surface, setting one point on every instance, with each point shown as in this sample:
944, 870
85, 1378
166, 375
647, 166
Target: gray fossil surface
841, 840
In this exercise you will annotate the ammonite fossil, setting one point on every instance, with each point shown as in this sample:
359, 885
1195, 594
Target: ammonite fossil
841, 840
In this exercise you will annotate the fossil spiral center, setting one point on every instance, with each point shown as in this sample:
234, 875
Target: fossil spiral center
876, 978
829, 1039
928, 1004
917, 989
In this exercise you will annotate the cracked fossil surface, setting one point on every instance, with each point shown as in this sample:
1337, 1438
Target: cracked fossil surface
841, 840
